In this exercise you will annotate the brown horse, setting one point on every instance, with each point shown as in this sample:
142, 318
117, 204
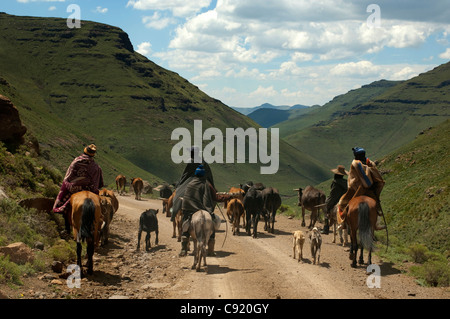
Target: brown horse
121, 180
87, 222
178, 216
362, 214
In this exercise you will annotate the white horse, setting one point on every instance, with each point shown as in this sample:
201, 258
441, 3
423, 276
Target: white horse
201, 229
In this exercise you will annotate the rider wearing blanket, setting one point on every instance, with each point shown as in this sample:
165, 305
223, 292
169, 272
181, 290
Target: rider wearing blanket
363, 179
199, 194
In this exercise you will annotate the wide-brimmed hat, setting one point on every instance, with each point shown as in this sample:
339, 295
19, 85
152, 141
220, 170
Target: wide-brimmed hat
90, 150
340, 170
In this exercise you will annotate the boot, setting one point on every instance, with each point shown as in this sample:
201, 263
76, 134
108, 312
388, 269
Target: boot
184, 244
211, 244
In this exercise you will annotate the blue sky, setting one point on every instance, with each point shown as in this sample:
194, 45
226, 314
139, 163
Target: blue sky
284, 52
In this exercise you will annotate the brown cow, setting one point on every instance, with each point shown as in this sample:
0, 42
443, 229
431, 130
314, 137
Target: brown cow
138, 186
237, 193
121, 180
311, 198
110, 205
235, 211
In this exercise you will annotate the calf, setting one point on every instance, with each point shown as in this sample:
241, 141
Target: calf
121, 180
107, 214
138, 185
148, 222
298, 239
235, 211
316, 242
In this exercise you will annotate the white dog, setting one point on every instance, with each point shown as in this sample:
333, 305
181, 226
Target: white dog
298, 239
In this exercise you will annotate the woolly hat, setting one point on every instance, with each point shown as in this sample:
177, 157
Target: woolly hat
359, 151
200, 171
90, 150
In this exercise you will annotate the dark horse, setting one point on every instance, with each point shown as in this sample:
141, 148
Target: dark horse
86, 224
254, 206
362, 214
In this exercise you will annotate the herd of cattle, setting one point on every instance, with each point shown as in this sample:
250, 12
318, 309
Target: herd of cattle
248, 202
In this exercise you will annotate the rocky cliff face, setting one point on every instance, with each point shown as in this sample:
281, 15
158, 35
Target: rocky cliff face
11, 128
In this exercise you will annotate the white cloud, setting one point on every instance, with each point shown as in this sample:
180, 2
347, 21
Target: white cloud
404, 74
156, 21
28, 1
361, 68
179, 8
52, 8
246, 73
262, 92
101, 10
311, 50
445, 55
144, 48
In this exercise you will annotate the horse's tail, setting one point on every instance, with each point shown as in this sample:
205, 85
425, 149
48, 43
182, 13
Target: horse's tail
87, 218
365, 229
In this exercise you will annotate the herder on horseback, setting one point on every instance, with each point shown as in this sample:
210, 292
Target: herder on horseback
363, 179
199, 194
83, 174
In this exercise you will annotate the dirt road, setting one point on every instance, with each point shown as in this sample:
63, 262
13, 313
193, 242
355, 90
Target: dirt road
244, 268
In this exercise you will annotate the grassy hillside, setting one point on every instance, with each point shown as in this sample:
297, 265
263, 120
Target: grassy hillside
380, 117
338, 106
416, 201
416, 196
77, 86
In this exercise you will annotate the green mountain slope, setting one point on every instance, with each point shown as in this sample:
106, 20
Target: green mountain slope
77, 86
416, 194
380, 117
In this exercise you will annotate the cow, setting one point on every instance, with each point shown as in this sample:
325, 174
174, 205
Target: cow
272, 201
110, 194
235, 211
148, 222
237, 192
138, 186
165, 191
43, 204
109, 206
121, 180
311, 199
254, 206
